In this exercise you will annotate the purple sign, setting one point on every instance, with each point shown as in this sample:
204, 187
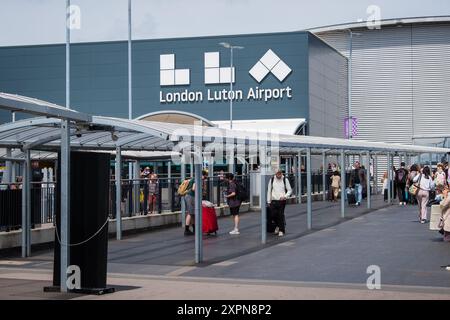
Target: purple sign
351, 127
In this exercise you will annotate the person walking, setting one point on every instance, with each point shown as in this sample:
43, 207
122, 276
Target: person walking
425, 184
356, 177
145, 174
335, 184
189, 199
413, 171
393, 183
401, 176
153, 191
233, 201
385, 181
447, 172
445, 214
363, 179
279, 189
440, 178
205, 185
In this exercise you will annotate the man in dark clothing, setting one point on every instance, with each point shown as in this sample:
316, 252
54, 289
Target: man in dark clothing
233, 201
205, 185
36, 172
357, 178
400, 180
36, 195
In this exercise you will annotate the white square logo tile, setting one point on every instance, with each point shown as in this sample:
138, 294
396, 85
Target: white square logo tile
181, 77
212, 59
269, 59
226, 75
281, 70
167, 77
167, 61
212, 75
259, 71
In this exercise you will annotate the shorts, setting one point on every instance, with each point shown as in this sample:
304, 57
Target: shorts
234, 211
190, 204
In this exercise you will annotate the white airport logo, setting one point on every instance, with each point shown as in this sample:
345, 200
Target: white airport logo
270, 63
214, 74
169, 76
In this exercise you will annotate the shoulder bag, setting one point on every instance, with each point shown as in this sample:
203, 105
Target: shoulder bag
414, 189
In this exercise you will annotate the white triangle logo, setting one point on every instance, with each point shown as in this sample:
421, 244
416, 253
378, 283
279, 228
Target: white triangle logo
270, 63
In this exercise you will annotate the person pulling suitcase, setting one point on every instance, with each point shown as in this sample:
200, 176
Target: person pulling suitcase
279, 189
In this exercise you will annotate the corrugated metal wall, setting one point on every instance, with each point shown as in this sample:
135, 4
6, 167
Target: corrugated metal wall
327, 85
431, 78
400, 80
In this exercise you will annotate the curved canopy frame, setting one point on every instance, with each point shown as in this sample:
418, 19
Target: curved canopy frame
106, 133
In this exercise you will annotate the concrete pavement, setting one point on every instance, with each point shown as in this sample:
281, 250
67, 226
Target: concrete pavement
329, 262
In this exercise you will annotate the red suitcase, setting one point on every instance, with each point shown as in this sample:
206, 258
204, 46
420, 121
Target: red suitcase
209, 220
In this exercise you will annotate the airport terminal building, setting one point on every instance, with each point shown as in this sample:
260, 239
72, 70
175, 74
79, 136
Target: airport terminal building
400, 78
399, 75
293, 77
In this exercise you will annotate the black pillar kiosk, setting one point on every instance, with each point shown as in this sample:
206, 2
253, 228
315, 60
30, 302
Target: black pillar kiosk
89, 208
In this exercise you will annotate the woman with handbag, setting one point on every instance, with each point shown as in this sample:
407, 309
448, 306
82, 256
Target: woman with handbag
445, 215
423, 184
413, 171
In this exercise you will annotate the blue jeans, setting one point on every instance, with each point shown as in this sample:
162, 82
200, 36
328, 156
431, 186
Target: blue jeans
358, 190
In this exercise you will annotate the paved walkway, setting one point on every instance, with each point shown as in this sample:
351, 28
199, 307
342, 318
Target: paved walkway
329, 262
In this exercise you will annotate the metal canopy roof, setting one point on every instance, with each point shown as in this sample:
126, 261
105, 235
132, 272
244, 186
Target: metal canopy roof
282, 126
38, 107
105, 133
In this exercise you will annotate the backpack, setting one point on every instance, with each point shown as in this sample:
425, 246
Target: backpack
401, 176
271, 185
440, 178
183, 188
241, 192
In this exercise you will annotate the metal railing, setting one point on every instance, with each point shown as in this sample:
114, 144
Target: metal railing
10, 207
137, 198
42, 201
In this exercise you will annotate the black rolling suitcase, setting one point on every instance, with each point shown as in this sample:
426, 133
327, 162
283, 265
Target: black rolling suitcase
351, 197
270, 222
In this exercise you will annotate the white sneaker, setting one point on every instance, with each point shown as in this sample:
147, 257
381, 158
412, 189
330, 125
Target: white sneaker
234, 231
280, 234
276, 230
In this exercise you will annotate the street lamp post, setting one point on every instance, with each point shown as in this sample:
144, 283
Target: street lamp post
231, 47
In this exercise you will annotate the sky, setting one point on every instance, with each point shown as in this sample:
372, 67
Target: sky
43, 21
